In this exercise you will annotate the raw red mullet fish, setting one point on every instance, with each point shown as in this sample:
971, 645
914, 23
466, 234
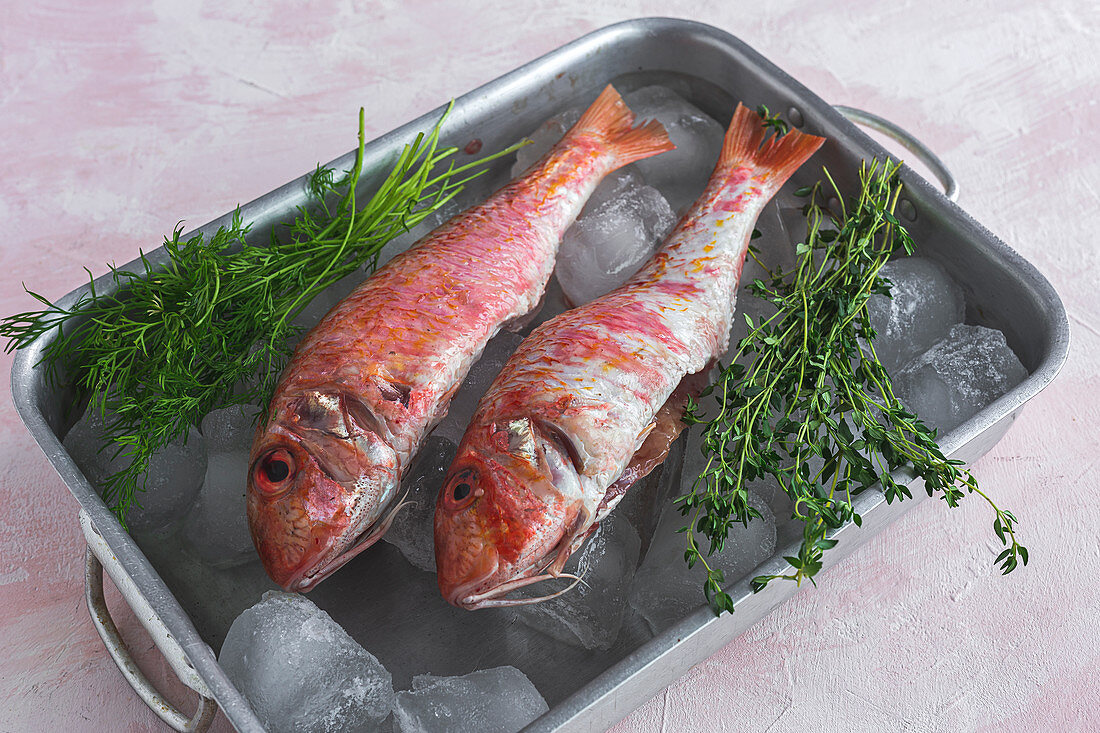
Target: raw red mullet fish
367, 384
590, 402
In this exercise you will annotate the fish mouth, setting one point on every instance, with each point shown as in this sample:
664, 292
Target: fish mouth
492, 597
461, 596
308, 580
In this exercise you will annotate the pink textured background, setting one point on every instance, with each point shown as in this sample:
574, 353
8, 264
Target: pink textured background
119, 118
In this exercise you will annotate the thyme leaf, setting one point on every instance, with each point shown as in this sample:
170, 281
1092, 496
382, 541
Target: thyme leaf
806, 400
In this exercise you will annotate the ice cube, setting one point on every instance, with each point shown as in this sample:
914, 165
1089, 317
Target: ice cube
216, 529
611, 240
696, 462
412, 530
665, 589
959, 376
680, 174
591, 614
543, 139
172, 482
301, 671
774, 253
481, 375
926, 303
498, 700
230, 429
615, 184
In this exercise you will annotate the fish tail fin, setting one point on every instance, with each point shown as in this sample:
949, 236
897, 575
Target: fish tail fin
773, 161
611, 121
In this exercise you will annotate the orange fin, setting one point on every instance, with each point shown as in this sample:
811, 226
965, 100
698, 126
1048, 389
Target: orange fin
773, 161
612, 122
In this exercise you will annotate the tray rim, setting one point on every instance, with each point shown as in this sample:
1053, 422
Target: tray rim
25, 378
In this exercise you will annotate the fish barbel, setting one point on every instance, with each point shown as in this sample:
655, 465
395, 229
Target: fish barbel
592, 399
368, 383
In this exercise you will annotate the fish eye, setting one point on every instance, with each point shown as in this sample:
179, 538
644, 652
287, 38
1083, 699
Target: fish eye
460, 493
275, 470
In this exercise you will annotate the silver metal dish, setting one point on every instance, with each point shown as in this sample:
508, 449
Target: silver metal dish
394, 610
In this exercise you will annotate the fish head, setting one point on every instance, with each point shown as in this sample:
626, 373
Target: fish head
321, 481
509, 504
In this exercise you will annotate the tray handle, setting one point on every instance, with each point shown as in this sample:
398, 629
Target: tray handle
95, 555
907, 141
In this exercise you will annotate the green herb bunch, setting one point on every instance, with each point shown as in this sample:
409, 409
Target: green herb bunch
805, 399
210, 328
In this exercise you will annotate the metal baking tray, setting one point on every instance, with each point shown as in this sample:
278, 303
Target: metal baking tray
394, 610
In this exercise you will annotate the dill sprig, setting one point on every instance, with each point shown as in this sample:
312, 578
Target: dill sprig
211, 328
806, 400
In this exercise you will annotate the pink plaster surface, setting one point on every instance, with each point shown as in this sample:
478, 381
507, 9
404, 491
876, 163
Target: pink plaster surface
119, 118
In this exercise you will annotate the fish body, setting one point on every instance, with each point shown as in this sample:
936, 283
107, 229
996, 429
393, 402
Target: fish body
592, 399
368, 383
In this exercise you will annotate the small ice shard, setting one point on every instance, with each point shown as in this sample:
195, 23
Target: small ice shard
591, 614
926, 303
498, 700
216, 530
412, 530
665, 589
680, 174
611, 240
301, 671
172, 482
959, 376
481, 375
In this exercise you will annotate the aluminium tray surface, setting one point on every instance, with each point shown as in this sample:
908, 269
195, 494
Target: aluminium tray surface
403, 621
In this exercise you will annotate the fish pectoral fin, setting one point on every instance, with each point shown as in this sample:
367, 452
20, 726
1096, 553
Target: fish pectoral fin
574, 450
389, 388
363, 417
640, 440
654, 441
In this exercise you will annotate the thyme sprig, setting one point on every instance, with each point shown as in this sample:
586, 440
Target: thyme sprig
806, 400
211, 328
